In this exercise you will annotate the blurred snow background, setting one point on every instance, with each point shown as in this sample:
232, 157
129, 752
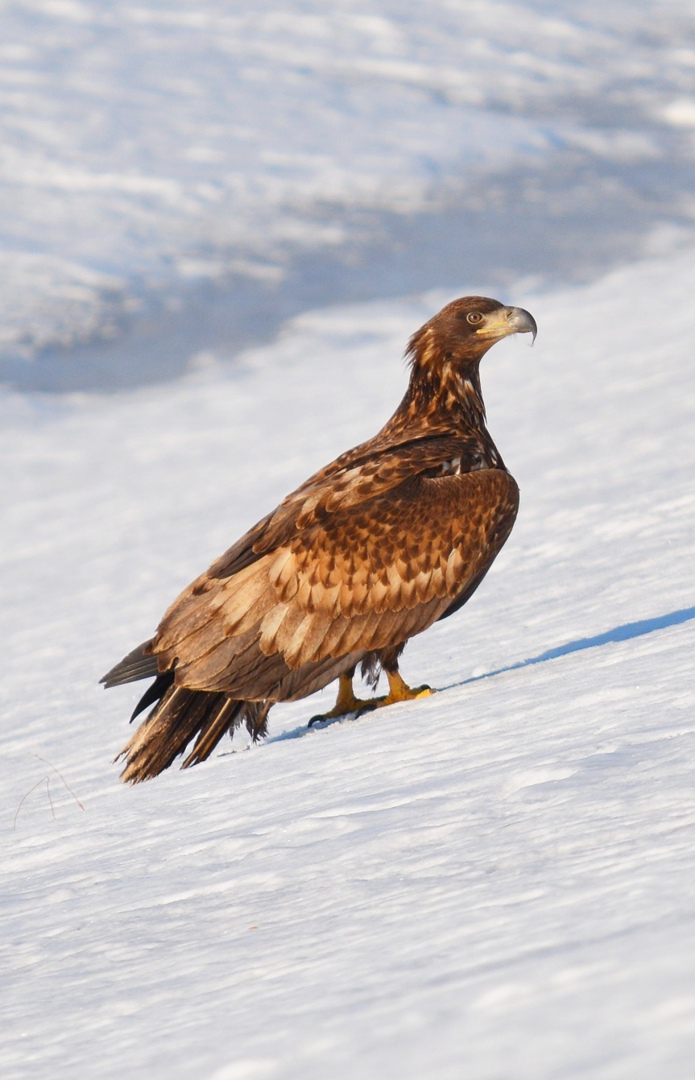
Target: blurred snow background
218, 228
175, 177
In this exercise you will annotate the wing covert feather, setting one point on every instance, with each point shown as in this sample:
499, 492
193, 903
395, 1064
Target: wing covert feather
365, 578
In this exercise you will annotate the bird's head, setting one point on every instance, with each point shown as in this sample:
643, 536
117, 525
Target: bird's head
465, 329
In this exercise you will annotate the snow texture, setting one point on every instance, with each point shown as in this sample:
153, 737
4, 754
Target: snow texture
494, 882
173, 176
497, 882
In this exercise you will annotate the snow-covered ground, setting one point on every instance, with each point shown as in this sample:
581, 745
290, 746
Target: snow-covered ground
495, 883
178, 176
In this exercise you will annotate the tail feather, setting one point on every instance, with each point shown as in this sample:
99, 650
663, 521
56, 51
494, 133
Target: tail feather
153, 693
180, 716
138, 664
233, 714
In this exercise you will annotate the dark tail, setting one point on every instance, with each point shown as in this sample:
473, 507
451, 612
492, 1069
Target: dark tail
179, 716
138, 664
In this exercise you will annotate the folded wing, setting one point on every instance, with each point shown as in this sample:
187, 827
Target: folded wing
359, 579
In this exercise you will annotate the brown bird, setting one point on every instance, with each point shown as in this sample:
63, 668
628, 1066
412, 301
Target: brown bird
374, 548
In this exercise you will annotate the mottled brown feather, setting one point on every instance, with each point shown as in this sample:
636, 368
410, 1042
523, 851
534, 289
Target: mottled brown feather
448, 544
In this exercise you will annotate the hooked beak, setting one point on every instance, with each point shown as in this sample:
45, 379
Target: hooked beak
506, 321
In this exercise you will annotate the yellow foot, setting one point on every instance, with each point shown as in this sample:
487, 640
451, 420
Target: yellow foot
399, 692
355, 705
346, 702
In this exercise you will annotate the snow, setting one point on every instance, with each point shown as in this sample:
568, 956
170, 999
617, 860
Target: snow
493, 882
156, 158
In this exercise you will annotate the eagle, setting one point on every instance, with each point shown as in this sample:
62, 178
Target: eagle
390, 537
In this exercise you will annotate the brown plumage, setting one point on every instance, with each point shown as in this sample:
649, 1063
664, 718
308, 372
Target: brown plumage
390, 537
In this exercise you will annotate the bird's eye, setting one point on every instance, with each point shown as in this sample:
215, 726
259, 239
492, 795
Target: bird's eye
474, 317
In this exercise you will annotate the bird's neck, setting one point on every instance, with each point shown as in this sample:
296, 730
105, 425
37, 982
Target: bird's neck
442, 397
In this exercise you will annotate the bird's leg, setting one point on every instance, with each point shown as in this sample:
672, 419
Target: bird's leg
346, 702
398, 687
400, 691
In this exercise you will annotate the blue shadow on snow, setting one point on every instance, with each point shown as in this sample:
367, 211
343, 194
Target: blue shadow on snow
618, 633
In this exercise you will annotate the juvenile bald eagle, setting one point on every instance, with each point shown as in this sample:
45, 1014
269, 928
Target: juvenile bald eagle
374, 548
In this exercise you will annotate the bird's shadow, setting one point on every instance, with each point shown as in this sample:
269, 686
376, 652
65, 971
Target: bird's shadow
619, 633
